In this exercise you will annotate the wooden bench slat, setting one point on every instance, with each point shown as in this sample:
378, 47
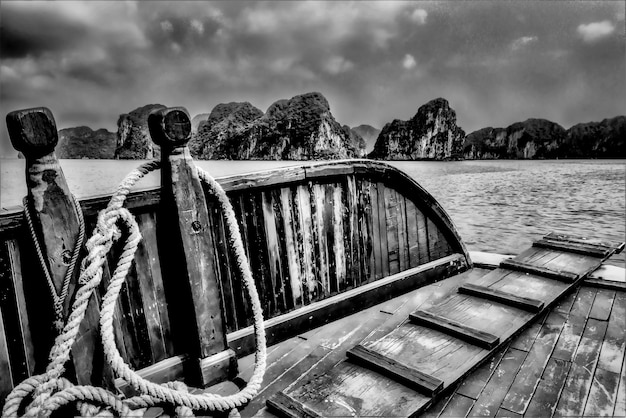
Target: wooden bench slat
454, 328
581, 240
571, 247
563, 276
289, 407
415, 379
528, 304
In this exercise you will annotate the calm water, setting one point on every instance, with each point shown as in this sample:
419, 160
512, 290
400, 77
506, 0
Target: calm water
497, 206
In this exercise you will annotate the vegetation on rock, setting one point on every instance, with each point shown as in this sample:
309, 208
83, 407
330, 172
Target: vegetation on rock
431, 134
83, 142
133, 137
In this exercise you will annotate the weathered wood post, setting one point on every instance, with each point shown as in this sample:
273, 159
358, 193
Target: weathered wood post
191, 265
56, 223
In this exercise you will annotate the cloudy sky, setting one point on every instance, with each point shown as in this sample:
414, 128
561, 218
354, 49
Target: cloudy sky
496, 62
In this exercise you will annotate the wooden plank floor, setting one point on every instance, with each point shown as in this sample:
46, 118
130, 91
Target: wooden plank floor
432, 358
568, 363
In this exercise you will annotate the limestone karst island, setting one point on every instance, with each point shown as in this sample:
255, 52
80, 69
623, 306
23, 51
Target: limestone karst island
304, 128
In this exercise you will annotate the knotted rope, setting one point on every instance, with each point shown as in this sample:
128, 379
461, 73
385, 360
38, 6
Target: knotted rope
50, 391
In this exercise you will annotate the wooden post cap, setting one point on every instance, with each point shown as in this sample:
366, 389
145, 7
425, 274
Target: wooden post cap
33, 131
170, 127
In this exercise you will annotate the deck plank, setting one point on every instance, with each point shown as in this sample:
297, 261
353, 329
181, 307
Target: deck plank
525, 340
570, 338
614, 344
458, 406
474, 384
620, 402
543, 402
602, 304
579, 379
496, 389
527, 379
602, 395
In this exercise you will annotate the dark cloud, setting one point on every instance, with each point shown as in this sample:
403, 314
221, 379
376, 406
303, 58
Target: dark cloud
496, 62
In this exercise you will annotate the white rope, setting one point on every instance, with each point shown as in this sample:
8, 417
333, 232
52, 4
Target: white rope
50, 391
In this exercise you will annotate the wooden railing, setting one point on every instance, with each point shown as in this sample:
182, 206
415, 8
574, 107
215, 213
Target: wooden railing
323, 241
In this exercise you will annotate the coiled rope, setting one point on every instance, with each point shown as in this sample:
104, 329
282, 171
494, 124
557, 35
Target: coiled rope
50, 391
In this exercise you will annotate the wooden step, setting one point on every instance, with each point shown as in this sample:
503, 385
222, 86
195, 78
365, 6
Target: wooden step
393, 369
524, 267
528, 304
572, 247
615, 248
287, 406
454, 328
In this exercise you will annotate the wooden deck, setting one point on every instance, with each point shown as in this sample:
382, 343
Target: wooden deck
570, 362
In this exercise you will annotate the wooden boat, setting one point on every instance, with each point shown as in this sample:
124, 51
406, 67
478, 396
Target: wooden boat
372, 304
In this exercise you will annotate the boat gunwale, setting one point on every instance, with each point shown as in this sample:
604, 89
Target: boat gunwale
11, 219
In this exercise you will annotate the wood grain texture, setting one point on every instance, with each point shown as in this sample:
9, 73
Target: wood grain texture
454, 328
33, 131
496, 389
395, 370
531, 305
286, 406
526, 267
195, 258
572, 247
543, 402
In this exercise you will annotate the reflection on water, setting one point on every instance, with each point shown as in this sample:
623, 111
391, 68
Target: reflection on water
501, 206
497, 206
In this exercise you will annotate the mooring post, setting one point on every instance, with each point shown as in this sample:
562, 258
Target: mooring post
191, 259
56, 223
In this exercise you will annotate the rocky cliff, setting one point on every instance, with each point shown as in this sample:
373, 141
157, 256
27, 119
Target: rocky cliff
369, 135
605, 139
133, 137
216, 135
540, 138
431, 134
83, 142
300, 128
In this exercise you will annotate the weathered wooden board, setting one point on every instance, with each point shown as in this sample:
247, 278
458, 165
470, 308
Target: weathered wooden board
614, 344
487, 316
602, 395
474, 384
602, 304
580, 377
348, 388
527, 379
504, 297
543, 402
458, 406
496, 389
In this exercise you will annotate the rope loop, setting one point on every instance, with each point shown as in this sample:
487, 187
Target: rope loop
51, 391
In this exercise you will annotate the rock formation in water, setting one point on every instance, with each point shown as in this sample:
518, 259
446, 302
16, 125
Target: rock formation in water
431, 134
215, 135
133, 137
533, 138
300, 128
197, 120
540, 138
83, 142
369, 134
605, 139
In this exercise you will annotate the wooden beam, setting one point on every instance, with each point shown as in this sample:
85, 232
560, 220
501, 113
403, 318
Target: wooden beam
606, 284
454, 328
34, 133
527, 304
190, 261
523, 267
618, 247
572, 247
393, 369
288, 407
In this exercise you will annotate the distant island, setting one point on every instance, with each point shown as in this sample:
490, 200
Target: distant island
303, 128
